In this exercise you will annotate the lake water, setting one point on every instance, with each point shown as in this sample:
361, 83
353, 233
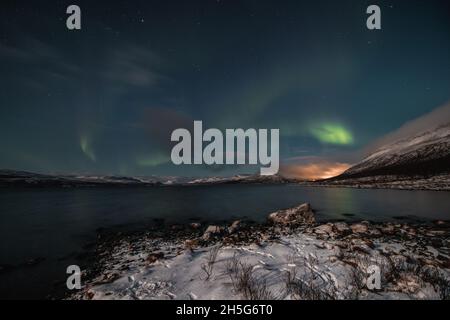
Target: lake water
57, 224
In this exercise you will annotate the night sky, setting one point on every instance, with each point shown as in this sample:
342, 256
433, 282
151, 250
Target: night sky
106, 98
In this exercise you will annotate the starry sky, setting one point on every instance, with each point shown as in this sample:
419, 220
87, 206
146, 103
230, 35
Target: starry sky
105, 99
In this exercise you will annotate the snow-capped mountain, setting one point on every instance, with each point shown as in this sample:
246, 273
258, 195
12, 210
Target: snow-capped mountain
424, 154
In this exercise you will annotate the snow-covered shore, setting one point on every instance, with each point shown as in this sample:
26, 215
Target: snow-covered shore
291, 257
439, 182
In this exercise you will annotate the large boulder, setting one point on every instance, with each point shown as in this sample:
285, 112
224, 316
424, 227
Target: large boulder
302, 214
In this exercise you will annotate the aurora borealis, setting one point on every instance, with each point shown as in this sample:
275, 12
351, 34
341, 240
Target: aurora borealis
104, 99
330, 133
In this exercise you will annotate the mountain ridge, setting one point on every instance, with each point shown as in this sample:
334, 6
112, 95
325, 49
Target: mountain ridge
424, 154
421, 161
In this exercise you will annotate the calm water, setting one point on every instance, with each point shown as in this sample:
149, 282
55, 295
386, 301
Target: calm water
57, 224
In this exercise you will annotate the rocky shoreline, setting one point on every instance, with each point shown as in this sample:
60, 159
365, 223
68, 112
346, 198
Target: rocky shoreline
439, 182
291, 256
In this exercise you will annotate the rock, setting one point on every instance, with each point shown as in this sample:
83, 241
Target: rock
212, 231
436, 233
342, 228
302, 214
108, 277
363, 249
234, 226
398, 259
195, 225
375, 232
191, 244
90, 295
445, 263
153, 257
324, 229
341, 244
359, 228
388, 229
363, 243
408, 283
433, 251
428, 262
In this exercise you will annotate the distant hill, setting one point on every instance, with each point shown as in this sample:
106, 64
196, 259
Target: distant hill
11, 178
243, 179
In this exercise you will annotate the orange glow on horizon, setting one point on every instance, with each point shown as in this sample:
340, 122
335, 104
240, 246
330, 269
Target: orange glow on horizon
315, 171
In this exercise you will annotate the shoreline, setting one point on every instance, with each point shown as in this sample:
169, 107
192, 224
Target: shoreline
289, 257
22, 179
392, 186
438, 182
